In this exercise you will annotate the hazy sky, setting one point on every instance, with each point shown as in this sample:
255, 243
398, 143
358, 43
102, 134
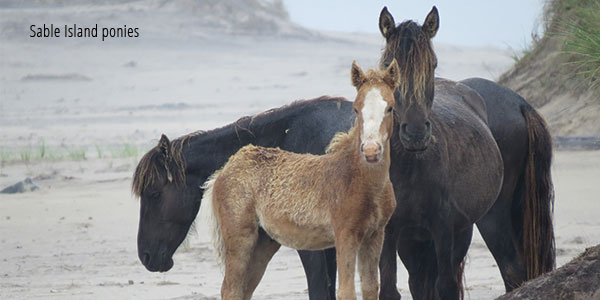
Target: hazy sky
502, 23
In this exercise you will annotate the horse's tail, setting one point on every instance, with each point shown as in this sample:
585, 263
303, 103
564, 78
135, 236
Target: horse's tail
208, 213
460, 279
538, 232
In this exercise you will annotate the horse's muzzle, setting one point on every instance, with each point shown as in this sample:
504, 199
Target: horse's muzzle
415, 140
371, 151
160, 262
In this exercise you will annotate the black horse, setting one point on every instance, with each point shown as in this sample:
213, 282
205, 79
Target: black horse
431, 167
168, 178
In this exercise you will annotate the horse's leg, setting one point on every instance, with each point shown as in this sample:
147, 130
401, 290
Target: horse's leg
368, 259
263, 252
316, 269
331, 271
419, 259
496, 227
238, 243
498, 233
347, 244
446, 284
387, 263
462, 241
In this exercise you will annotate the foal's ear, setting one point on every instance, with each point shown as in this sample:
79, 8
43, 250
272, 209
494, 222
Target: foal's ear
386, 22
164, 145
392, 74
432, 23
357, 76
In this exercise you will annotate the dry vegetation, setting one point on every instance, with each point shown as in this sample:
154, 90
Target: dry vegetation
576, 280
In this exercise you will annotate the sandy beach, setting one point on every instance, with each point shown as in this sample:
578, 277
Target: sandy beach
77, 114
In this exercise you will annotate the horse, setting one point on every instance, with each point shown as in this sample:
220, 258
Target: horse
442, 142
168, 178
267, 197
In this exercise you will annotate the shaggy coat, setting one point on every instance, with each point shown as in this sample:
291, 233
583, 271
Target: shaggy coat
267, 197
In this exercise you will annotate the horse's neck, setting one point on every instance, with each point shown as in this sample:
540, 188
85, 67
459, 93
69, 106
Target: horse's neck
208, 151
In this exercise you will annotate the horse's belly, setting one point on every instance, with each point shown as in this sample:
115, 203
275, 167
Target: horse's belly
298, 235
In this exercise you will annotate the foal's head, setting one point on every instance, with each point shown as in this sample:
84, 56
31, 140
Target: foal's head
373, 107
410, 44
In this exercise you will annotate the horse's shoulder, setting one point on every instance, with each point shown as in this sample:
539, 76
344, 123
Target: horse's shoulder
459, 95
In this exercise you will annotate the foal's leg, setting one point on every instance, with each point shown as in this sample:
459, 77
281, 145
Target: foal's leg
263, 252
368, 259
347, 244
239, 243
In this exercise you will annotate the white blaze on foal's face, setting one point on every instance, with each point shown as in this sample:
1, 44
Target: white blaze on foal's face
373, 106
373, 113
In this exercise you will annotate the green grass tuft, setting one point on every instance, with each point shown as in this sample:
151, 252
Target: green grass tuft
579, 26
125, 150
583, 42
99, 151
25, 154
77, 153
42, 148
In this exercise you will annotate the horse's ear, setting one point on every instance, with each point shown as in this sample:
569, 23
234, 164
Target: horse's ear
432, 23
164, 145
392, 74
386, 22
357, 76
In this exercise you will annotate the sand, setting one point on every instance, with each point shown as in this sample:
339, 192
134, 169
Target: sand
76, 238
76, 115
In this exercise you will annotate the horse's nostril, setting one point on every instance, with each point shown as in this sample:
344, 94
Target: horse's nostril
146, 258
163, 255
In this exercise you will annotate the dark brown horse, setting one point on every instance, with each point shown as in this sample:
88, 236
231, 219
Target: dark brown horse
440, 154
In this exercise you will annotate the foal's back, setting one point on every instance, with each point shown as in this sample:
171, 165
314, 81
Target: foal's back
290, 193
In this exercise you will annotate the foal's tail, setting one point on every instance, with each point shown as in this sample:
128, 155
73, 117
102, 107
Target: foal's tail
538, 232
207, 212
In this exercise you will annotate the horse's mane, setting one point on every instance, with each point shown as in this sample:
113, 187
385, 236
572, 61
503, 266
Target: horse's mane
340, 141
152, 166
416, 60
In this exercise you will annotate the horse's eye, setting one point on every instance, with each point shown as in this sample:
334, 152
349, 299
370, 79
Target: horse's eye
389, 109
155, 195
355, 110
